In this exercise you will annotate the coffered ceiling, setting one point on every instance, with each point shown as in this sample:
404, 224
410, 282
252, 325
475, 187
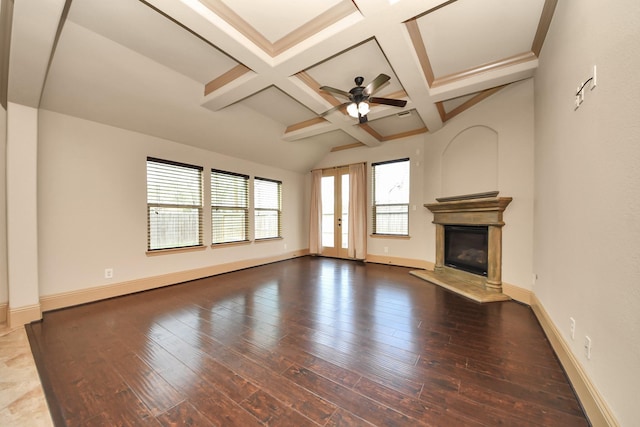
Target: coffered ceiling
242, 77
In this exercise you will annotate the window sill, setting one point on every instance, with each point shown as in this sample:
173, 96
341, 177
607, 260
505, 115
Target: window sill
390, 236
267, 239
175, 250
227, 244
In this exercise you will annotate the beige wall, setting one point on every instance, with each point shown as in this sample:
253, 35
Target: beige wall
587, 246
505, 117
22, 208
92, 206
4, 291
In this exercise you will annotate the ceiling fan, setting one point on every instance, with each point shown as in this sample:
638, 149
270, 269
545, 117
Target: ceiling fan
360, 97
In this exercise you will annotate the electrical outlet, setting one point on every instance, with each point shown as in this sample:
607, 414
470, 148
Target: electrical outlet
108, 273
572, 327
285, 246
386, 249
587, 347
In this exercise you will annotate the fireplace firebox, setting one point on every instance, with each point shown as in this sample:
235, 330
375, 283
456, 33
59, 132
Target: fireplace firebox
466, 248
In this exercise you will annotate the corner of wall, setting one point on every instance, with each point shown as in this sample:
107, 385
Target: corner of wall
4, 286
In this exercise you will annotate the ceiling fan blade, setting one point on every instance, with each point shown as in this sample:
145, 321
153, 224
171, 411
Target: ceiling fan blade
338, 107
336, 91
375, 84
388, 101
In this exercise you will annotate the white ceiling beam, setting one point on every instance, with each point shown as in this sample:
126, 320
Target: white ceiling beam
33, 35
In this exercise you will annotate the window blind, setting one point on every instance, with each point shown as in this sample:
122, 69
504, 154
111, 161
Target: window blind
390, 209
229, 207
174, 205
267, 204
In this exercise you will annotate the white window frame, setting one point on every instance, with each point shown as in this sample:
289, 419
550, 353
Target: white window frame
229, 207
267, 206
386, 206
174, 205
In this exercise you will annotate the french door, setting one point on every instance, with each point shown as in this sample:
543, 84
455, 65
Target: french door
335, 212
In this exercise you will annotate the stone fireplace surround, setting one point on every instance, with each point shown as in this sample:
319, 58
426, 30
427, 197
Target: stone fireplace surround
481, 209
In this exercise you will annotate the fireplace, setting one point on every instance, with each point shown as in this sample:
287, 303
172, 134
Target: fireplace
466, 248
469, 245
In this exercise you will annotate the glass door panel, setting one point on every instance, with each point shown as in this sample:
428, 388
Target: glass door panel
344, 223
335, 212
328, 216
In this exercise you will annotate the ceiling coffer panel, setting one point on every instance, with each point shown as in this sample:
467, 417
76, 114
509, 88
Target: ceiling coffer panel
463, 36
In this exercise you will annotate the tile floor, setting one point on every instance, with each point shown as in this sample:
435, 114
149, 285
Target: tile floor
22, 401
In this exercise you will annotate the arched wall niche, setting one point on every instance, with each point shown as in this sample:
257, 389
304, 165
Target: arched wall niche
470, 162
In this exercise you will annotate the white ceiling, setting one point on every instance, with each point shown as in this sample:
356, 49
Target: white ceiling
241, 77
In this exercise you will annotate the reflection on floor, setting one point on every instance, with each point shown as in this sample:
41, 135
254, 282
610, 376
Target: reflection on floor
22, 401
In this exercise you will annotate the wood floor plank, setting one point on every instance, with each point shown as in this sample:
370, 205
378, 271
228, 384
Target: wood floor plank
124, 409
343, 418
306, 342
233, 385
428, 412
272, 412
147, 384
357, 404
549, 409
313, 406
208, 399
328, 370
184, 414
389, 372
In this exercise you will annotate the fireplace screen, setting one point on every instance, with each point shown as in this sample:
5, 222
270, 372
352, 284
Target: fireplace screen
466, 248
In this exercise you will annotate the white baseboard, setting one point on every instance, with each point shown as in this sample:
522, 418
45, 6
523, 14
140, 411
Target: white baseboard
68, 299
594, 405
517, 293
402, 262
23, 315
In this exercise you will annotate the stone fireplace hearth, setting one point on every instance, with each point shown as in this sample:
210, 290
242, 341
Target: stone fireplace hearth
473, 211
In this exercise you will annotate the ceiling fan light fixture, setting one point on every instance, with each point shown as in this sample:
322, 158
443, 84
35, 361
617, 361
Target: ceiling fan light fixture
352, 109
363, 108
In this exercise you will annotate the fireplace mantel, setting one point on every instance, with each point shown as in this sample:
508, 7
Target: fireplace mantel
485, 209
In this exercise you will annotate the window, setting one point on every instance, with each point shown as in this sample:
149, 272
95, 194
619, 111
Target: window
229, 207
174, 205
391, 197
267, 195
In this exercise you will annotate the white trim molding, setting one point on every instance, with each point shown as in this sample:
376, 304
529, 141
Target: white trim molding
401, 262
517, 293
23, 315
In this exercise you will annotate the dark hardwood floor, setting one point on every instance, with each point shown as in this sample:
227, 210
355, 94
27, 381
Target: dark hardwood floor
304, 342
